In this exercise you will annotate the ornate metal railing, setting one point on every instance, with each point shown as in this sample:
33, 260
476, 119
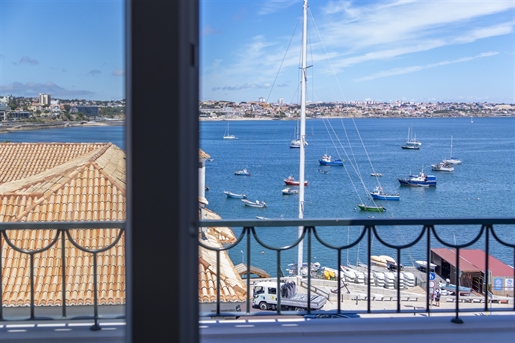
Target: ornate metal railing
425, 234
61, 236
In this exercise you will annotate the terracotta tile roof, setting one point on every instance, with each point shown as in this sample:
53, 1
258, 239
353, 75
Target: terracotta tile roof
41, 182
202, 154
232, 287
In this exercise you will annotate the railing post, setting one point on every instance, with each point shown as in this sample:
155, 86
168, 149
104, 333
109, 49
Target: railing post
456, 319
63, 272
95, 326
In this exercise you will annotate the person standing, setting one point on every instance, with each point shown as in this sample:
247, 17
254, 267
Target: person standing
437, 297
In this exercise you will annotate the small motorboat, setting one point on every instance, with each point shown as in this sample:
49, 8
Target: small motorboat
364, 207
243, 172
378, 194
235, 195
257, 203
290, 181
442, 166
290, 191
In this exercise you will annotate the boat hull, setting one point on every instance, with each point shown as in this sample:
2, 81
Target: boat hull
371, 208
253, 204
234, 195
410, 147
331, 163
385, 196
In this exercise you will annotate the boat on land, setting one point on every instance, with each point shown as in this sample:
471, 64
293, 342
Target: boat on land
227, 135
378, 261
290, 181
452, 160
290, 191
452, 288
257, 203
378, 194
327, 160
364, 207
235, 195
422, 266
243, 172
420, 180
442, 166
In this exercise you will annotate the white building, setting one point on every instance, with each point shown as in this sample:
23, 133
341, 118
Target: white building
44, 99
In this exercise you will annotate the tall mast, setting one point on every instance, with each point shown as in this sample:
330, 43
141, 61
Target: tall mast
302, 134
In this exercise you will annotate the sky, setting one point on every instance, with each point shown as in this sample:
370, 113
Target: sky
70, 49
362, 50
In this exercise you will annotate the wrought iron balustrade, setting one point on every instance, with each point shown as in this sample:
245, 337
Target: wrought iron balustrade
425, 235
64, 238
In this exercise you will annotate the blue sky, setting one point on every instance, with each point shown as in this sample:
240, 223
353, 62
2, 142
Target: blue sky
432, 50
70, 49
448, 50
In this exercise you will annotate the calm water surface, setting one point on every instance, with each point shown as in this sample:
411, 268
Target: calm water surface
480, 187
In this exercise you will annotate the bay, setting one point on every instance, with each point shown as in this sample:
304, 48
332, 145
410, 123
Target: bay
83, 134
482, 186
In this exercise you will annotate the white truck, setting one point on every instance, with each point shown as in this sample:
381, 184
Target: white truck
265, 297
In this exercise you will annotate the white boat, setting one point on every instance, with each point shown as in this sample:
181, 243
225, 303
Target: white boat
411, 142
376, 174
378, 261
235, 195
243, 172
295, 142
452, 160
442, 166
290, 191
227, 135
257, 203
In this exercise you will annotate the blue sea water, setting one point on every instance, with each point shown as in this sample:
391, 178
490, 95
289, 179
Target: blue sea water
85, 134
482, 186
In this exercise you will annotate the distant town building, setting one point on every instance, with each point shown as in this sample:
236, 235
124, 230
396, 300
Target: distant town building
90, 111
3, 110
15, 115
44, 99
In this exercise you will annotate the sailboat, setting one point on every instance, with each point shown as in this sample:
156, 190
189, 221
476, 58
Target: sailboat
295, 142
411, 142
227, 135
452, 160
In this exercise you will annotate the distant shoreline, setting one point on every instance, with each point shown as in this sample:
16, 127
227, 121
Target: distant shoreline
4, 129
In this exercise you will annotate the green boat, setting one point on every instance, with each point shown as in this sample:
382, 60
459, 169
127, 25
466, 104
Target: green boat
364, 207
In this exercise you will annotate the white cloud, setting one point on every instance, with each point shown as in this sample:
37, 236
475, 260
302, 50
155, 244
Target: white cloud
411, 69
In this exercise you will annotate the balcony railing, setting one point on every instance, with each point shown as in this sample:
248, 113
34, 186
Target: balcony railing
487, 234
64, 238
